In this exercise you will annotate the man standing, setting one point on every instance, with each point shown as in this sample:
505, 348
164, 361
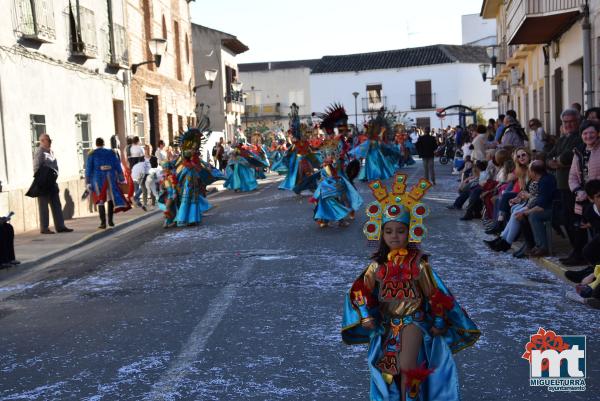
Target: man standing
44, 159
559, 158
220, 154
103, 174
426, 146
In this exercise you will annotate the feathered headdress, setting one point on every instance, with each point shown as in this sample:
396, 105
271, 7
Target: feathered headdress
377, 128
334, 116
194, 138
397, 205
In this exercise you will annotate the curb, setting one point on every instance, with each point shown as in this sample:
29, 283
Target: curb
553, 267
16, 271
95, 236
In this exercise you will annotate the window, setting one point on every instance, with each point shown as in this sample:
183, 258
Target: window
180, 124
170, 127
187, 49
423, 95
35, 19
84, 140
177, 50
38, 127
424, 123
138, 126
83, 31
374, 96
119, 53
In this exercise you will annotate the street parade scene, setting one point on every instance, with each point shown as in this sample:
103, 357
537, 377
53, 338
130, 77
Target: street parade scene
202, 209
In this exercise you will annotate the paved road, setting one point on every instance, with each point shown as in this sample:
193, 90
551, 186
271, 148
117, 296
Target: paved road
247, 307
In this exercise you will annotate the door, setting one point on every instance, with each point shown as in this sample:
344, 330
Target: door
423, 95
152, 109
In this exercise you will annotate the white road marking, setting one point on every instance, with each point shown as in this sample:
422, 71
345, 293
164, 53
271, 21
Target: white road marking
166, 388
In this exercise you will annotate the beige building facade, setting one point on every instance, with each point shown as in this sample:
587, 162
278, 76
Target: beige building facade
546, 49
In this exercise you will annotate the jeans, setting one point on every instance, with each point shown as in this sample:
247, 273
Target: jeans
513, 227
537, 221
140, 188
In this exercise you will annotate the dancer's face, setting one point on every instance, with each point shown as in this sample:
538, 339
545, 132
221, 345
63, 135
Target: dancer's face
395, 235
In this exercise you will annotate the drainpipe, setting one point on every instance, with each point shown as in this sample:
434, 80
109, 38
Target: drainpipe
3, 132
587, 58
546, 51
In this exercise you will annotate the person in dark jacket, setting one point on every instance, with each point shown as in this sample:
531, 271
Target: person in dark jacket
426, 146
559, 159
539, 211
44, 156
7, 243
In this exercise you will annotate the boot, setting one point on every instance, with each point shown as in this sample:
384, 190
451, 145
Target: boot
102, 213
111, 212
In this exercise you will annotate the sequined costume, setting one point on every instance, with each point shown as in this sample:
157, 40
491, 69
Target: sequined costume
403, 290
380, 158
335, 198
168, 194
240, 171
300, 158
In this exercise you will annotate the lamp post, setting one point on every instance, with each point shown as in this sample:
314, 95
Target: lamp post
211, 76
158, 47
484, 69
355, 94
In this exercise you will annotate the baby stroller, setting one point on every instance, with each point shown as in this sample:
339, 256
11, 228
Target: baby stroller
445, 151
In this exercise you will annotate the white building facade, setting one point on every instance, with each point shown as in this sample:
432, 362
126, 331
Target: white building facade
61, 73
413, 83
272, 87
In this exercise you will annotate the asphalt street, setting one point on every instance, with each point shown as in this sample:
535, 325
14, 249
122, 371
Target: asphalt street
247, 306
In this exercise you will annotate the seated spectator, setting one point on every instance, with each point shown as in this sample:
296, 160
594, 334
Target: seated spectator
591, 221
539, 211
468, 184
480, 143
7, 243
506, 181
593, 114
521, 204
490, 187
486, 182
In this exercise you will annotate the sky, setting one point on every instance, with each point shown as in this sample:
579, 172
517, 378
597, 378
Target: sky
277, 30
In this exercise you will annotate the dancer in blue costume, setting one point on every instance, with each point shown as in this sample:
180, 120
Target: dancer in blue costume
401, 308
335, 199
103, 174
300, 159
240, 171
169, 193
276, 159
192, 175
379, 157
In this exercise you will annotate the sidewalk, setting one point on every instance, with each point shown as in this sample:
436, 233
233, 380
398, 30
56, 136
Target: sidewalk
33, 248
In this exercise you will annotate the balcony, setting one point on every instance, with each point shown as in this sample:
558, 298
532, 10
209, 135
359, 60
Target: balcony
234, 102
422, 101
118, 54
370, 105
35, 20
259, 111
540, 21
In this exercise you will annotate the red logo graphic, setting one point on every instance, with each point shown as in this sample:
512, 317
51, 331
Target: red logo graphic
544, 340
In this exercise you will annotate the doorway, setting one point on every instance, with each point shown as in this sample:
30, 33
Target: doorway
152, 112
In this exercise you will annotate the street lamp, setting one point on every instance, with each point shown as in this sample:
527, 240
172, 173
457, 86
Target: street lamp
211, 76
484, 69
158, 47
355, 94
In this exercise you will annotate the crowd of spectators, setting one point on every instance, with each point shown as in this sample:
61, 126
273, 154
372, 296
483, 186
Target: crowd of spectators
528, 185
